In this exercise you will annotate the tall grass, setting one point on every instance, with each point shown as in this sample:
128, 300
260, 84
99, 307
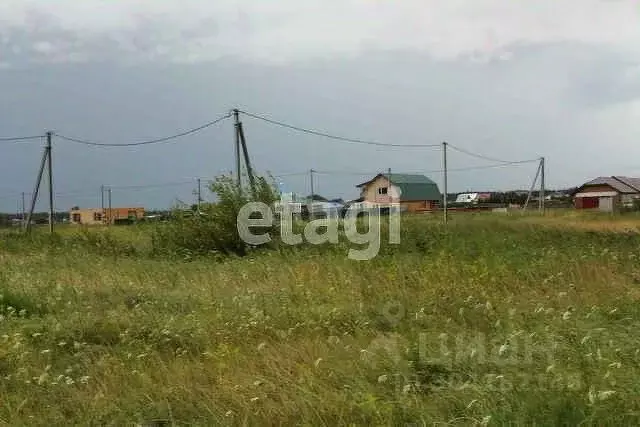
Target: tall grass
492, 321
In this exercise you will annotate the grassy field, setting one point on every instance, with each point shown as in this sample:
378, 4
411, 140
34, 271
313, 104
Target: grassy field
497, 320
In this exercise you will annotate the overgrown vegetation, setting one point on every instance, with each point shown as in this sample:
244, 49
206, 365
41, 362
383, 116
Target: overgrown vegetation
213, 230
496, 320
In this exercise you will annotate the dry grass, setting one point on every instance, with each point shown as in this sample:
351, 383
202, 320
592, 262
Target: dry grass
496, 321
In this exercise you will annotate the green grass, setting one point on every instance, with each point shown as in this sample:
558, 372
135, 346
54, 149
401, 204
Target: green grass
498, 320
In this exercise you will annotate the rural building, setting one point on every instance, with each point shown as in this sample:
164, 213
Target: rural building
472, 197
608, 194
98, 216
413, 192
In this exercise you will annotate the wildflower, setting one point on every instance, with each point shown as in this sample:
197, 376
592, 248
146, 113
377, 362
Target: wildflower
62, 343
261, 346
566, 315
585, 339
382, 379
317, 362
254, 399
69, 381
84, 379
603, 395
45, 351
503, 349
228, 413
406, 388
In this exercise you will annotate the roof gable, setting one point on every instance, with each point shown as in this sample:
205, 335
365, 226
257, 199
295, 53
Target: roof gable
620, 184
413, 187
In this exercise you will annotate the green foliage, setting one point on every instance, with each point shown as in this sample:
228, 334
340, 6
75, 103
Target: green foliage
213, 230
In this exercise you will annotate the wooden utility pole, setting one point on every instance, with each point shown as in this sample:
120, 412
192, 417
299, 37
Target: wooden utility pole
311, 171
50, 170
199, 195
24, 214
236, 120
34, 196
109, 219
542, 195
533, 185
445, 179
247, 162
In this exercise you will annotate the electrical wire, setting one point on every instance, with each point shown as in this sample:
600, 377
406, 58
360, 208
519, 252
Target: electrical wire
20, 138
152, 141
490, 159
334, 137
352, 173
139, 187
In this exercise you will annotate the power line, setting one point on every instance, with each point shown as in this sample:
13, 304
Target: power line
353, 173
330, 136
163, 185
491, 159
20, 138
152, 141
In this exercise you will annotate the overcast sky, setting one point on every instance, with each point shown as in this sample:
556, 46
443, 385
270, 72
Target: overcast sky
506, 79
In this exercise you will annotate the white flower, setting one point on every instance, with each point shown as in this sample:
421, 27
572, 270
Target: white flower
566, 315
503, 349
261, 346
317, 362
382, 379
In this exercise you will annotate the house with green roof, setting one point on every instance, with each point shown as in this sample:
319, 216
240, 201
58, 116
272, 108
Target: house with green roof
414, 192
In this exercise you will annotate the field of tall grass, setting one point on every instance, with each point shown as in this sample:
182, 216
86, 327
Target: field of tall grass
495, 320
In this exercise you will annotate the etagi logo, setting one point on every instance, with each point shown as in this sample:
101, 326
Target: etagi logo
323, 230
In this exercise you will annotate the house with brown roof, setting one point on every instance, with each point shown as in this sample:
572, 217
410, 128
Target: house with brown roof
608, 194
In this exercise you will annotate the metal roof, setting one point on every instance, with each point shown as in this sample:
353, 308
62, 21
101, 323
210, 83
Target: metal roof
412, 187
622, 184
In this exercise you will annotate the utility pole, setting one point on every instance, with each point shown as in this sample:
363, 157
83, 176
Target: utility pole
236, 120
109, 199
311, 171
34, 196
444, 164
50, 170
533, 185
247, 162
199, 195
23, 209
542, 185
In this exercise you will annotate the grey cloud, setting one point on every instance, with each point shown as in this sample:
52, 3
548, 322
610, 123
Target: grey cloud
515, 110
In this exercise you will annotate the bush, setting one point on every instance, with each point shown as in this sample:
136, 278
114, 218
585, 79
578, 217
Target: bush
214, 228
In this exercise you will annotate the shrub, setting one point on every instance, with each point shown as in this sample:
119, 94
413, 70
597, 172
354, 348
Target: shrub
214, 228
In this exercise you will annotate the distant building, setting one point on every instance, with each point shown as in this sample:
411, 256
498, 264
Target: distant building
472, 198
99, 216
608, 194
413, 192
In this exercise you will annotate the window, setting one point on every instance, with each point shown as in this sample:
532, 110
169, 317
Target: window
97, 216
76, 217
382, 190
